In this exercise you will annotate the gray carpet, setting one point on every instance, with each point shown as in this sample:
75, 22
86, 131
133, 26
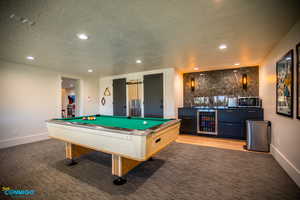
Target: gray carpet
181, 171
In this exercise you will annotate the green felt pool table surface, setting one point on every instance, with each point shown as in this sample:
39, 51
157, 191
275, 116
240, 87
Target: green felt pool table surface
137, 123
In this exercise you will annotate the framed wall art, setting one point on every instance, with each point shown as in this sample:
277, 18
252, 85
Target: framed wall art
284, 85
103, 101
107, 92
298, 79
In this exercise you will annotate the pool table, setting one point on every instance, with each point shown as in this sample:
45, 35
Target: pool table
130, 140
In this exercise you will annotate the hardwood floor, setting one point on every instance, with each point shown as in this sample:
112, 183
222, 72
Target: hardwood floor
212, 142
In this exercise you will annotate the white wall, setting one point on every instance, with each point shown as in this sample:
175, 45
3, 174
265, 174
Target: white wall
172, 91
285, 145
29, 96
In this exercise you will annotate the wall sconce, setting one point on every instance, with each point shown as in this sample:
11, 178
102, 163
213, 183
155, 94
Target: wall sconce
244, 81
192, 84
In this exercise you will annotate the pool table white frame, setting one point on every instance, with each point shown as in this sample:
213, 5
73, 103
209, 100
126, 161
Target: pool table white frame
128, 147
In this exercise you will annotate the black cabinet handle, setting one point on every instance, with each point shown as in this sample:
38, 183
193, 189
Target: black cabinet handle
158, 140
251, 111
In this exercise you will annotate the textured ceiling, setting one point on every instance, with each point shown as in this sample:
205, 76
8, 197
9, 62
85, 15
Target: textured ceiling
162, 33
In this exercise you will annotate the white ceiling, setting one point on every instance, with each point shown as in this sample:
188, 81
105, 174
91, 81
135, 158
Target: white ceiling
162, 33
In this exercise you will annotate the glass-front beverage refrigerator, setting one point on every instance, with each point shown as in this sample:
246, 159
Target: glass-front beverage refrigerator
207, 122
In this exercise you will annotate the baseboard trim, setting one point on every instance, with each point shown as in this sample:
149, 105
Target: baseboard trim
287, 165
23, 140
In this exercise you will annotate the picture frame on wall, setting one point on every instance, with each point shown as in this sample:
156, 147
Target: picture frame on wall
298, 79
284, 85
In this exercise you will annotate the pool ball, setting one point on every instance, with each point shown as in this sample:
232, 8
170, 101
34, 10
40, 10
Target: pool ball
145, 122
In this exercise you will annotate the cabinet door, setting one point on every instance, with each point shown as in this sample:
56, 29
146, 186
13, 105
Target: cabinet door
232, 116
239, 115
188, 118
188, 125
253, 114
187, 112
231, 130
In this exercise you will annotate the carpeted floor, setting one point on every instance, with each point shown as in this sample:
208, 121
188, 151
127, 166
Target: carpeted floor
181, 171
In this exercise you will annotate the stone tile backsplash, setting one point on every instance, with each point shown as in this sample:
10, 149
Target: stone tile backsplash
220, 83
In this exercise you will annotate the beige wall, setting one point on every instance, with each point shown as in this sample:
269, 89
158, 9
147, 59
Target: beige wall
285, 131
30, 95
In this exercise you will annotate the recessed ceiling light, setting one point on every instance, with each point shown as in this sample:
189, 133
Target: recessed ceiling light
196, 68
82, 36
90, 70
222, 46
30, 58
236, 64
138, 61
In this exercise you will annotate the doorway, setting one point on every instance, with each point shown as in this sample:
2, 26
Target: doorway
69, 97
134, 96
153, 95
119, 97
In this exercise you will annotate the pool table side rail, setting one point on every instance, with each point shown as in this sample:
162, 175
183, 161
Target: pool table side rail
122, 117
116, 129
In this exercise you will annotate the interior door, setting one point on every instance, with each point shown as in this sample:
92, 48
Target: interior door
119, 97
153, 96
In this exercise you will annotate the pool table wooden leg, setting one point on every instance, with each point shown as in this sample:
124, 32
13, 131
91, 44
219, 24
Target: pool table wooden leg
151, 159
74, 151
121, 166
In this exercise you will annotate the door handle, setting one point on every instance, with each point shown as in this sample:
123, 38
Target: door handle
161, 106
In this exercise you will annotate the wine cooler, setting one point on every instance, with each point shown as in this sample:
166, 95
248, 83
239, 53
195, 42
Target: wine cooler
207, 122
